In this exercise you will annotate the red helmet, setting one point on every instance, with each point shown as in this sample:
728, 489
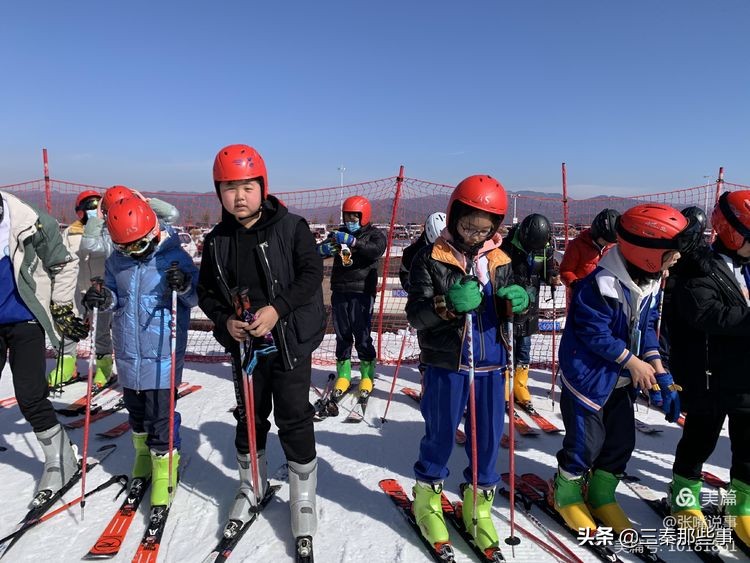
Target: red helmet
240, 162
645, 232
480, 192
115, 194
358, 204
130, 220
731, 218
84, 195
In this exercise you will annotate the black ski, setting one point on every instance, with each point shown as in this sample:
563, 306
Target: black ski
233, 531
439, 553
357, 414
454, 514
46, 500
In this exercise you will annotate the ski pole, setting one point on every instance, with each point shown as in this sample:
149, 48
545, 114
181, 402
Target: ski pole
172, 375
395, 375
97, 283
122, 479
57, 387
473, 422
511, 540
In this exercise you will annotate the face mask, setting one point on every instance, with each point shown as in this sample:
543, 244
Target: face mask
91, 213
352, 227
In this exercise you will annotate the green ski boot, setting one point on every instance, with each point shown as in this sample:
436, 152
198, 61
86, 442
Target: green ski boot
344, 372
601, 500
103, 369
685, 503
428, 512
485, 534
160, 495
569, 502
142, 461
740, 509
366, 382
65, 370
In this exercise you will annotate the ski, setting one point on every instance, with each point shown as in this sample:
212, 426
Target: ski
79, 406
109, 542
357, 414
460, 437
531, 496
646, 428
706, 552
439, 553
522, 427
544, 424
453, 512
46, 500
233, 532
148, 550
98, 412
7, 402
304, 551
412, 393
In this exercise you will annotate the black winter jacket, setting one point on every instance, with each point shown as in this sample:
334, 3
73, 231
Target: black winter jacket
529, 271
408, 257
362, 275
709, 334
433, 271
291, 269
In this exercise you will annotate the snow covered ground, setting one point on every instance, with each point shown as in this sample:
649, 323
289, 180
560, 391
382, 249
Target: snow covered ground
357, 522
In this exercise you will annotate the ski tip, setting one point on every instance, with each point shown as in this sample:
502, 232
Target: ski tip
106, 447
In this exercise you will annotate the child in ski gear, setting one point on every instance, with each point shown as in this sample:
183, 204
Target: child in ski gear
533, 262
261, 246
37, 288
90, 266
463, 273
147, 265
608, 353
353, 290
584, 252
709, 327
433, 226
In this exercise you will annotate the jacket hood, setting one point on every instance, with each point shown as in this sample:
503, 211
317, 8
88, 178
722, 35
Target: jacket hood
614, 263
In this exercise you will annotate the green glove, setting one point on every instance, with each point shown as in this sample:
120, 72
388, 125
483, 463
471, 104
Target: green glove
464, 297
516, 295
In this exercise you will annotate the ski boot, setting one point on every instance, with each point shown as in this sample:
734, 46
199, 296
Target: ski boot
245, 499
303, 481
569, 501
103, 370
65, 371
740, 510
520, 389
367, 372
160, 495
600, 498
428, 512
485, 536
685, 503
344, 372
142, 463
60, 463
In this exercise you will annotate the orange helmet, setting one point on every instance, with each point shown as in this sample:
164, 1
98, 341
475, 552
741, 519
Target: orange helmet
480, 192
131, 220
83, 196
358, 204
731, 218
240, 162
645, 232
113, 195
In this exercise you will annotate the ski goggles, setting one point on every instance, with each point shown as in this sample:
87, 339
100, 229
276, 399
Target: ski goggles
90, 204
140, 247
685, 241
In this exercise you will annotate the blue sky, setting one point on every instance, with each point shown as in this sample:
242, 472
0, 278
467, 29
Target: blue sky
635, 96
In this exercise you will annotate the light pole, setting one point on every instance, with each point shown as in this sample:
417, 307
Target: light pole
341, 187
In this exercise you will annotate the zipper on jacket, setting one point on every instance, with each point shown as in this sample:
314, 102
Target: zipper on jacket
221, 277
269, 279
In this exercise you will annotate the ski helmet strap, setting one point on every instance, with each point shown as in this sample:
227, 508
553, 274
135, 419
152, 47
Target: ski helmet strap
731, 218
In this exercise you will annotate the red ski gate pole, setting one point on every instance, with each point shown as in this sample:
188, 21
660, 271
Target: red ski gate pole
87, 422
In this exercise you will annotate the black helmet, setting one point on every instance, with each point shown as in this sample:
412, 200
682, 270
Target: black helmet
534, 232
603, 225
695, 213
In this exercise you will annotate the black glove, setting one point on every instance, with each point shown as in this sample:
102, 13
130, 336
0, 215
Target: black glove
177, 280
95, 297
67, 323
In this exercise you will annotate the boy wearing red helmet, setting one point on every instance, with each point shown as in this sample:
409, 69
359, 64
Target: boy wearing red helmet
463, 273
608, 353
710, 305
147, 265
261, 247
353, 288
89, 266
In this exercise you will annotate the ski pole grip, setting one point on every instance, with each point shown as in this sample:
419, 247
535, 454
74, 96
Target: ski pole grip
508, 310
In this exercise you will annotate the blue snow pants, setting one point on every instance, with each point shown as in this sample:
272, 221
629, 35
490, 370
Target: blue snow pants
445, 395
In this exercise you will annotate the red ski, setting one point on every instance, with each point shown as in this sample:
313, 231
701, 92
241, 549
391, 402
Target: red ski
8, 402
79, 406
413, 393
539, 420
522, 426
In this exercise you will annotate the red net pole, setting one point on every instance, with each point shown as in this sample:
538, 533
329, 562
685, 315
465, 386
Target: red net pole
719, 183
47, 187
387, 260
565, 202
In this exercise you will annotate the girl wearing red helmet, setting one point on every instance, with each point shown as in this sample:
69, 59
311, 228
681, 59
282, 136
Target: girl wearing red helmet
709, 337
147, 265
609, 352
260, 247
354, 280
462, 274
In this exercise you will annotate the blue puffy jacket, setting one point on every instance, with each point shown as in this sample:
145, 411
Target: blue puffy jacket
601, 333
142, 313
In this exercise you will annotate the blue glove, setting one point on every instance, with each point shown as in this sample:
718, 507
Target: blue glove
344, 238
326, 249
665, 396
517, 296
